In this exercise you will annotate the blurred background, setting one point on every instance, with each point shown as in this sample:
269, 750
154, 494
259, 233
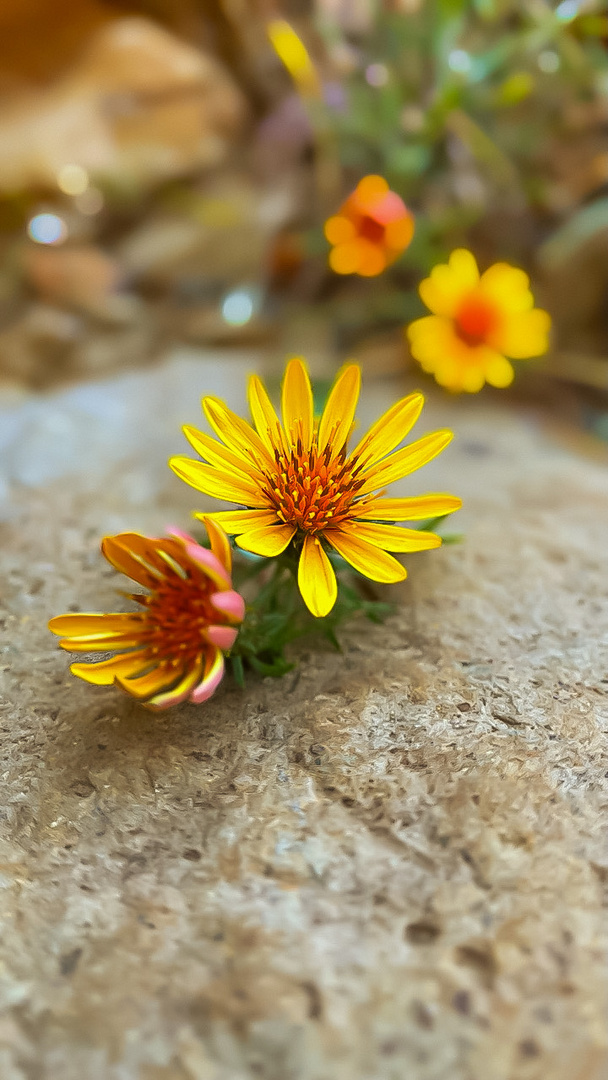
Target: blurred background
168, 166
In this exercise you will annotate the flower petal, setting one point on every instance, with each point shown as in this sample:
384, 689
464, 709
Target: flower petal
498, 371
237, 521
296, 403
96, 627
209, 563
394, 538
316, 578
264, 416
229, 602
222, 636
220, 544
388, 431
214, 453
339, 411
406, 461
180, 692
214, 673
508, 287
347, 258
149, 684
119, 553
222, 485
523, 335
269, 540
415, 508
365, 557
120, 643
338, 229
104, 672
236, 433
447, 283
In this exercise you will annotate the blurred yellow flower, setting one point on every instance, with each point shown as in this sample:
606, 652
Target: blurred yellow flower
477, 322
370, 230
300, 485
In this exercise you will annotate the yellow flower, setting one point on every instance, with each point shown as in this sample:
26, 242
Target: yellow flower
477, 322
299, 484
172, 650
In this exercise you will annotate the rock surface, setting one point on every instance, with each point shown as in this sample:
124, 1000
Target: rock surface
390, 865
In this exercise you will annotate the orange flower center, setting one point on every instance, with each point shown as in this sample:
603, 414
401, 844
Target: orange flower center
312, 490
475, 320
370, 229
178, 615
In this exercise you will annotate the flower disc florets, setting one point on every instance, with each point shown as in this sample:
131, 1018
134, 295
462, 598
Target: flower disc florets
312, 490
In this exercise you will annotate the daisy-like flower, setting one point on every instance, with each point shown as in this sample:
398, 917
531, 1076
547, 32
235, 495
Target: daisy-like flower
300, 485
172, 651
477, 322
370, 230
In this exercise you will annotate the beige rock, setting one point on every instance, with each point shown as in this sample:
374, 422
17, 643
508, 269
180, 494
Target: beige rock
138, 107
388, 866
82, 276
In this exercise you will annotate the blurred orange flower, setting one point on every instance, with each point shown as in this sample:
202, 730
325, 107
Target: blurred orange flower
477, 322
173, 650
370, 230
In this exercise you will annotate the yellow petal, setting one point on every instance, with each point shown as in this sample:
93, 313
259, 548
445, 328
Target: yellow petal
119, 643
406, 461
388, 431
394, 538
316, 578
523, 336
364, 557
499, 372
220, 545
237, 434
103, 672
415, 508
118, 551
339, 411
508, 287
471, 379
443, 290
269, 540
264, 416
214, 453
238, 521
296, 403
94, 625
144, 686
222, 485
178, 693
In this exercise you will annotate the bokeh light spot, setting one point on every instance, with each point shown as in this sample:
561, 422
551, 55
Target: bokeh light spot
548, 61
238, 307
376, 75
47, 229
460, 61
72, 179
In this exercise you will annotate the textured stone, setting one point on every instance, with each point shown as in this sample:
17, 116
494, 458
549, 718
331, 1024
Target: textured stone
391, 864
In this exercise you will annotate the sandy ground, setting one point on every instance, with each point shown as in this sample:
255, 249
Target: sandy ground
390, 865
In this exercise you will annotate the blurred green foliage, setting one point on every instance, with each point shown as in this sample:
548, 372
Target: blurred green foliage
460, 105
